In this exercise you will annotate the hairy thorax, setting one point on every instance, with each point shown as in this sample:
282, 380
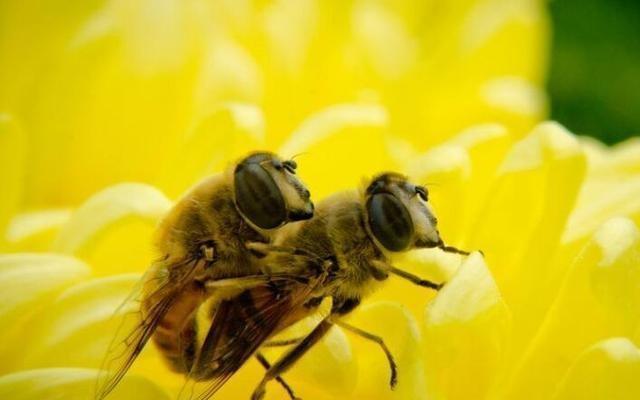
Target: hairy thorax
208, 216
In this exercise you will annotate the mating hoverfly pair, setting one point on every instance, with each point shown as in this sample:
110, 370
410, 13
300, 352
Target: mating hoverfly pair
229, 247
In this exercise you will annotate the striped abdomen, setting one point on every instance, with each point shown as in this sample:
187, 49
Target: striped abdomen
175, 334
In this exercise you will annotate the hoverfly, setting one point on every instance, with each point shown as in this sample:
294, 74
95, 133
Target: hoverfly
202, 240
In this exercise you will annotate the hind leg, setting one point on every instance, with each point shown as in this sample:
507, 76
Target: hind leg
293, 355
266, 364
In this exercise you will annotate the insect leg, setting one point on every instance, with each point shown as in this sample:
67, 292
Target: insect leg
284, 342
205, 364
242, 283
380, 342
266, 364
451, 249
293, 355
415, 279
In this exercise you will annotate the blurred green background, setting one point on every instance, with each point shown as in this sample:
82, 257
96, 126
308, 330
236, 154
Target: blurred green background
594, 80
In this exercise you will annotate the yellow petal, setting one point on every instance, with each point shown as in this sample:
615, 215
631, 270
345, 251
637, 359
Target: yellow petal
516, 96
445, 170
626, 157
230, 72
607, 370
383, 41
612, 189
434, 265
226, 133
289, 27
519, 225
121, 124
27, 282
601, 199
599, 299
621, 159
465, 334
339, 146
330, 360
458, 174
113, 229
75, 329
12, 158
432, 103
595, 151
36, 230
491, 26
404, 343
71, 384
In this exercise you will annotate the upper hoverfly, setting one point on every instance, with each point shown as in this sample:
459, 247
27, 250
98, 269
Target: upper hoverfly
202, 240
340, 253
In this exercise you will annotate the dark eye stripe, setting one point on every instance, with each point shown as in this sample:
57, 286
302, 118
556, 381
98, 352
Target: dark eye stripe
390, 221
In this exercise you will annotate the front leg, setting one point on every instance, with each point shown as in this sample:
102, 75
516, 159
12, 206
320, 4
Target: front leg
383, 266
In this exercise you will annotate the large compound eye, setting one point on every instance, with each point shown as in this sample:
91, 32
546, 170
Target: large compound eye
258, 197
390, 221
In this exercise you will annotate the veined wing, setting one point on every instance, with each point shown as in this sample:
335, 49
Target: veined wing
158, 289
241, 325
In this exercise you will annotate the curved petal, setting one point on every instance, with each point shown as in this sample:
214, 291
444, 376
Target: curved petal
36, 230
607, 370
621, 159
466, 331
520, 224
434, 265
404, 342
113, 229
221, 136
599, 299
329, 144
27, 282
75, 329
601, 199
458, 174
330, 364
72, 384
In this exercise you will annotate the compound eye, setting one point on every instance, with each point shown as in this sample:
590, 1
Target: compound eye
422, 192
258, 197
390, 221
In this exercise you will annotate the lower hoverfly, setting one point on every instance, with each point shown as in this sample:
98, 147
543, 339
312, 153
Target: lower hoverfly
201, 240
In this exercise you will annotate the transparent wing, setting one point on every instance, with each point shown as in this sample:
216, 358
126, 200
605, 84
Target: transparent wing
158, 288
240, 326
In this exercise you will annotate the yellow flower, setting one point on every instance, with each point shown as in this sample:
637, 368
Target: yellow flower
549, 312
161, 93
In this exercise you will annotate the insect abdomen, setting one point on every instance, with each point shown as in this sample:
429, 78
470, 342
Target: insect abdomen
175, 335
